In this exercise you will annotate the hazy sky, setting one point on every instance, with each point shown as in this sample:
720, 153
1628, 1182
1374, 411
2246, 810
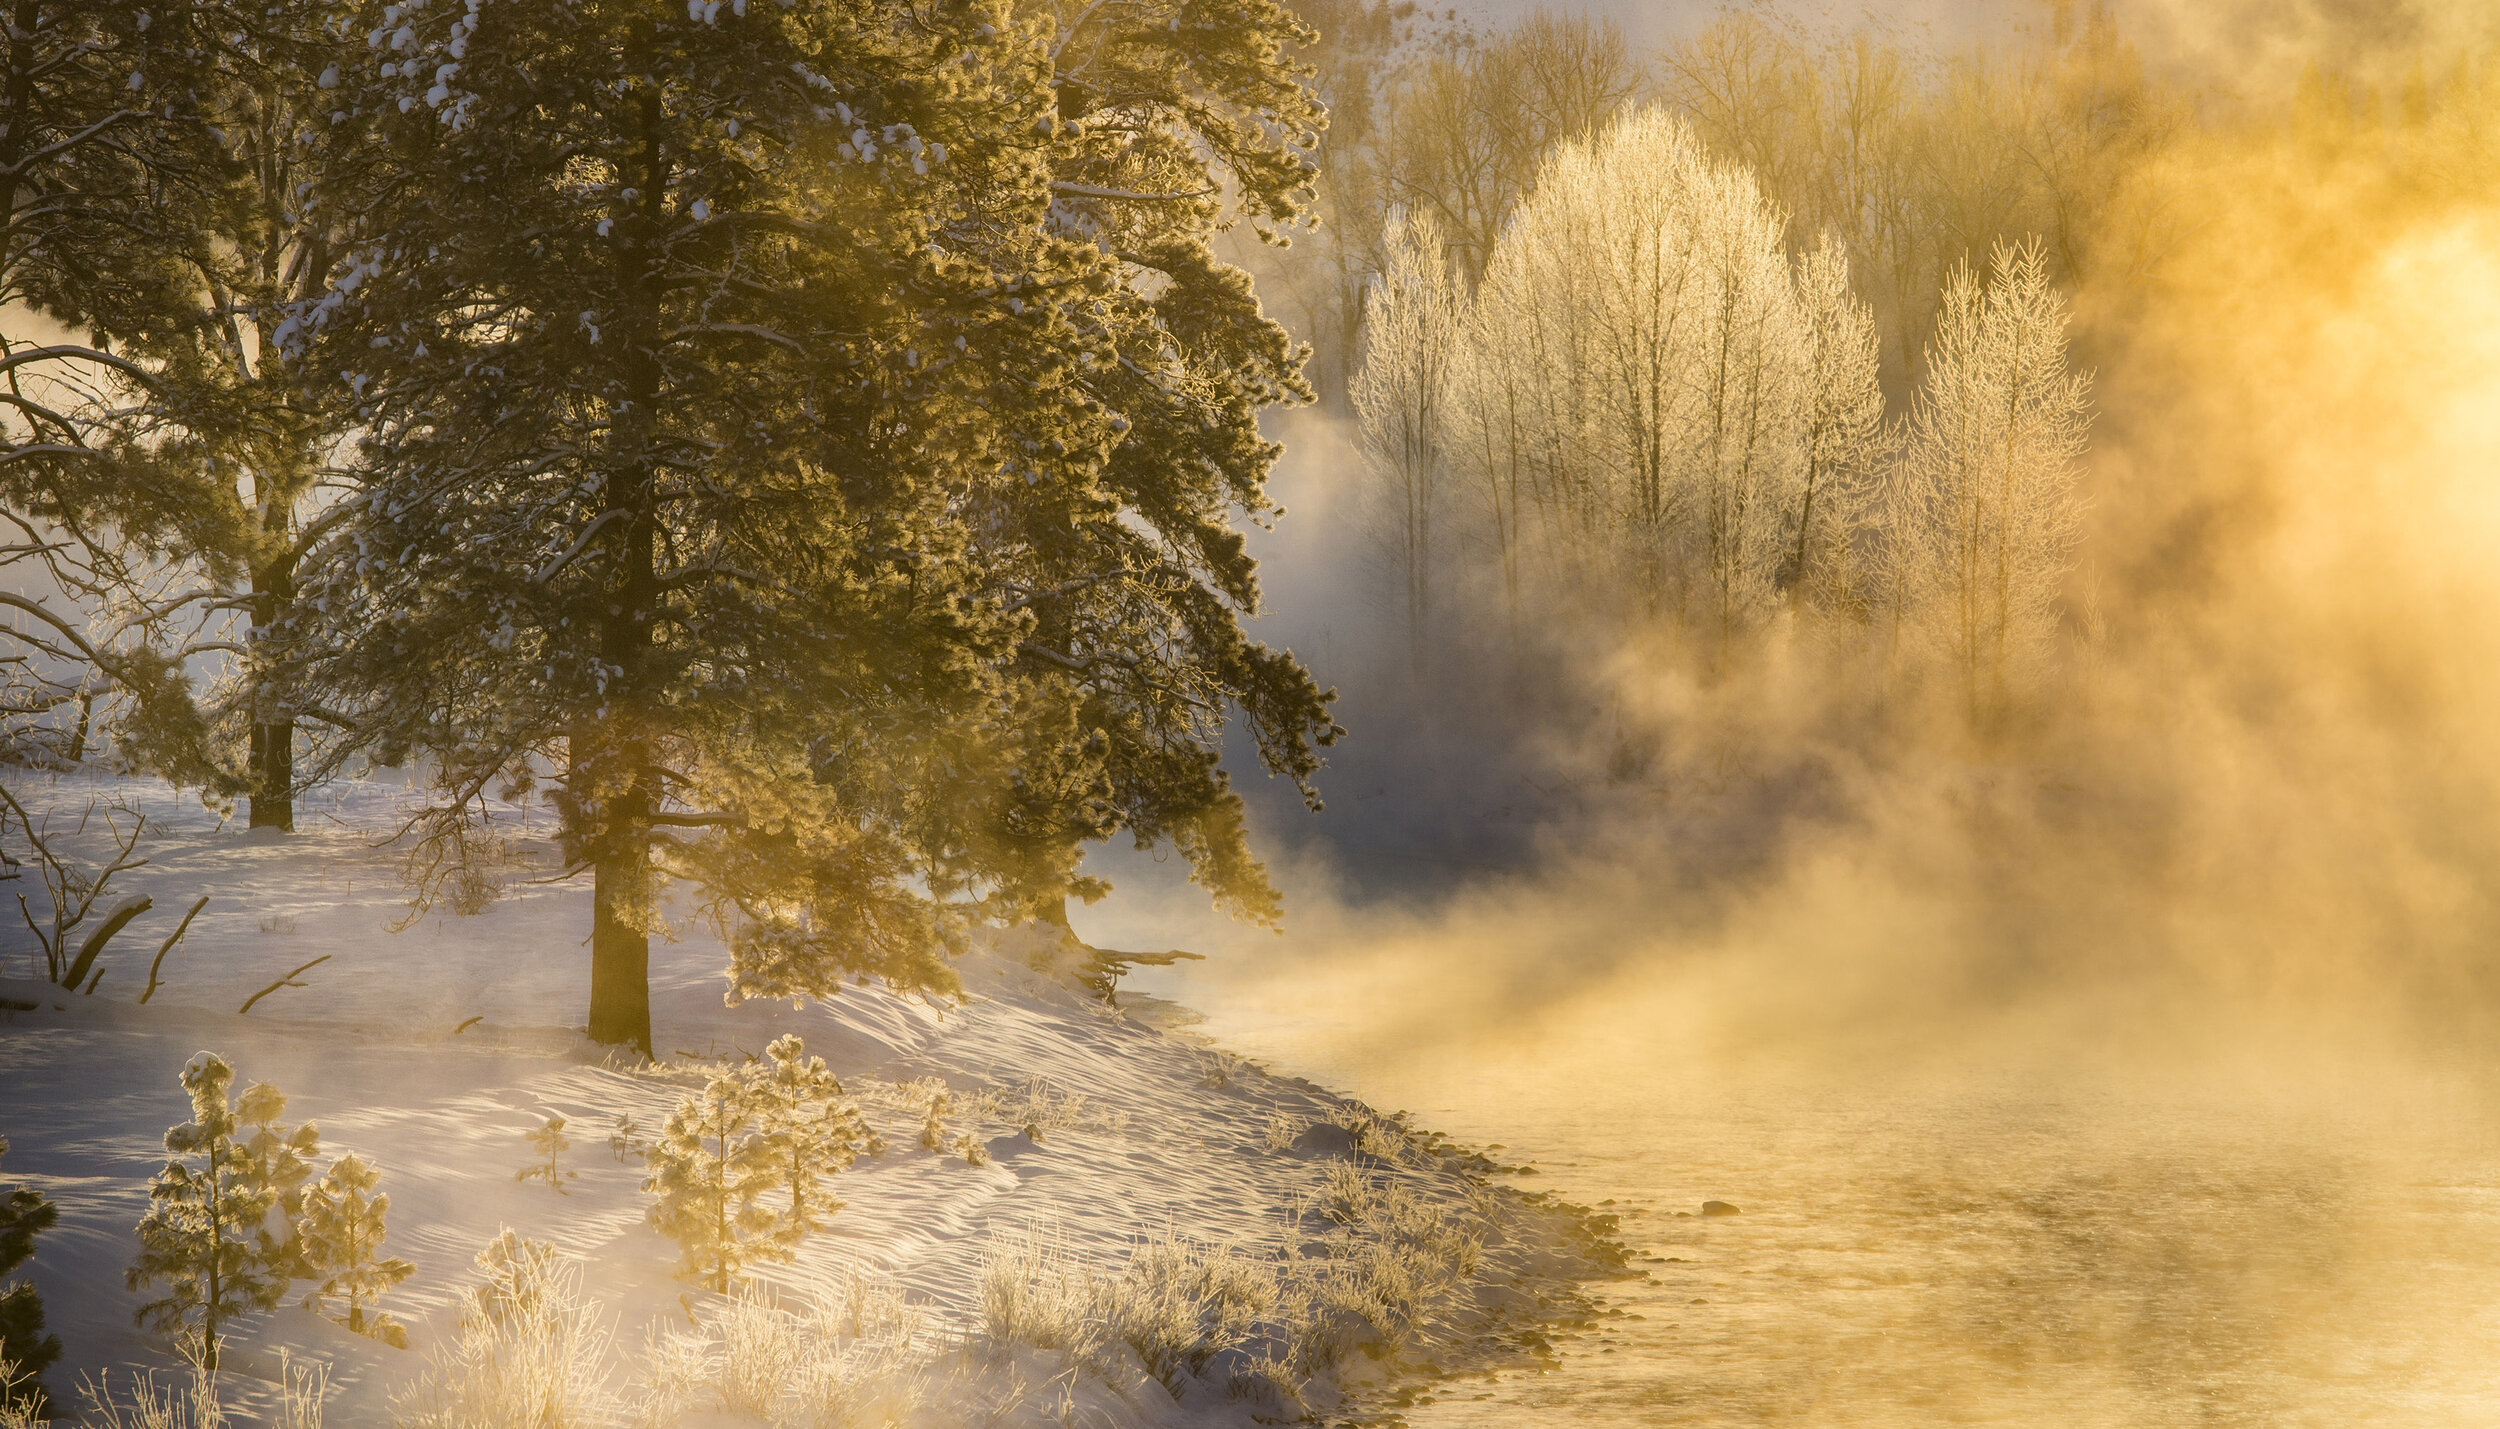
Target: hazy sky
1653, 22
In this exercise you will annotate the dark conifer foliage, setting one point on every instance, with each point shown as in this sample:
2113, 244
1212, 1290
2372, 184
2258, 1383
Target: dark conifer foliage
25, 1350
810, 432
100, 485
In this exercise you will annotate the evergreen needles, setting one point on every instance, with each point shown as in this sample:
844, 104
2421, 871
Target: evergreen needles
207, 1237
739, 1169
340, 1234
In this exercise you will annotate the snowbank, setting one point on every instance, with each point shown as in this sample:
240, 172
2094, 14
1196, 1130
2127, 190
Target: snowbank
432, 1050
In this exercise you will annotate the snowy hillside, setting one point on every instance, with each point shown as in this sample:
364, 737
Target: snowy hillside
433, 1051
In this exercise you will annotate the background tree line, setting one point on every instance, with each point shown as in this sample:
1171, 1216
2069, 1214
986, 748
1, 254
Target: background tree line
1632, 326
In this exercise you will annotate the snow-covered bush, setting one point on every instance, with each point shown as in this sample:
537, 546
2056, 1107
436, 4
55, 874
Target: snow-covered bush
531, 1351
856, 1364
1175, 1307
25, 1350
1281, 1131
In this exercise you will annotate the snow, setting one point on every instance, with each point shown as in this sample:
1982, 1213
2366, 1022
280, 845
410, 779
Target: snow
432, 1051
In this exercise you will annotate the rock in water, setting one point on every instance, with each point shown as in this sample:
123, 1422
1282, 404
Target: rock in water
1719, 1208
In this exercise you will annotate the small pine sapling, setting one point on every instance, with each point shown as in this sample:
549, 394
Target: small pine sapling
25, 1350
626, 1142
711, 1172
933, 1131
806, 1130
550, 1142
205, 1236
282, 1161
339, 1236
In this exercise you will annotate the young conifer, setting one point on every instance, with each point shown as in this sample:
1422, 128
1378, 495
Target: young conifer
205, 1234
711, 1173
551, 1142
281, 1160
339, 1236
25, 1350
807, 1131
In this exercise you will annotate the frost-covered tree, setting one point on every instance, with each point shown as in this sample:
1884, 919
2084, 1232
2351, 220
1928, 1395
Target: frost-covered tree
26, 1351
752, 451
710, 1173
205, 1237
279, 1158
1846, 439
806, 1131
1989, 512
1401, 395
339, 1234
1646, 378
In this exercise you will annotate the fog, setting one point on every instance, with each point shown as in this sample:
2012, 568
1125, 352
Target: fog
2251, 811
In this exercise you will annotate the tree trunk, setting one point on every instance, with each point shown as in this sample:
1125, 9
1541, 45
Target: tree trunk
620, 946
621, 767
273, 724
272, 800
618, 925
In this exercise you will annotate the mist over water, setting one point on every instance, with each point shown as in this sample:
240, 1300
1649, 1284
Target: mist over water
2134, 1067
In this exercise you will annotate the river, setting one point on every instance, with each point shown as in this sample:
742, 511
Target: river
1991, 1243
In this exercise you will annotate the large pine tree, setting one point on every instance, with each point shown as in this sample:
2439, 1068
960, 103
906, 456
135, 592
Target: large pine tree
810, 432
100, 485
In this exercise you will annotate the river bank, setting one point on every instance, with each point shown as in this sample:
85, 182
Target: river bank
1116, 1225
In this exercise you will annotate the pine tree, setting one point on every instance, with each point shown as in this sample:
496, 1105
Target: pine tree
205, 1236
711, 1172
98, 161
785, 421
549, 1141
281, 1161
341, 1232
239, 244
25, 1350
806, 1131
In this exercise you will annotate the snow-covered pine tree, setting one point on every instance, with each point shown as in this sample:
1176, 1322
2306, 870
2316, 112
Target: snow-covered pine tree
25, 1350
340, 1235
710, 1172
791, 422
551, 1142
205, 1234
807, 1132
239, 244
280, 1159
1117, 545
